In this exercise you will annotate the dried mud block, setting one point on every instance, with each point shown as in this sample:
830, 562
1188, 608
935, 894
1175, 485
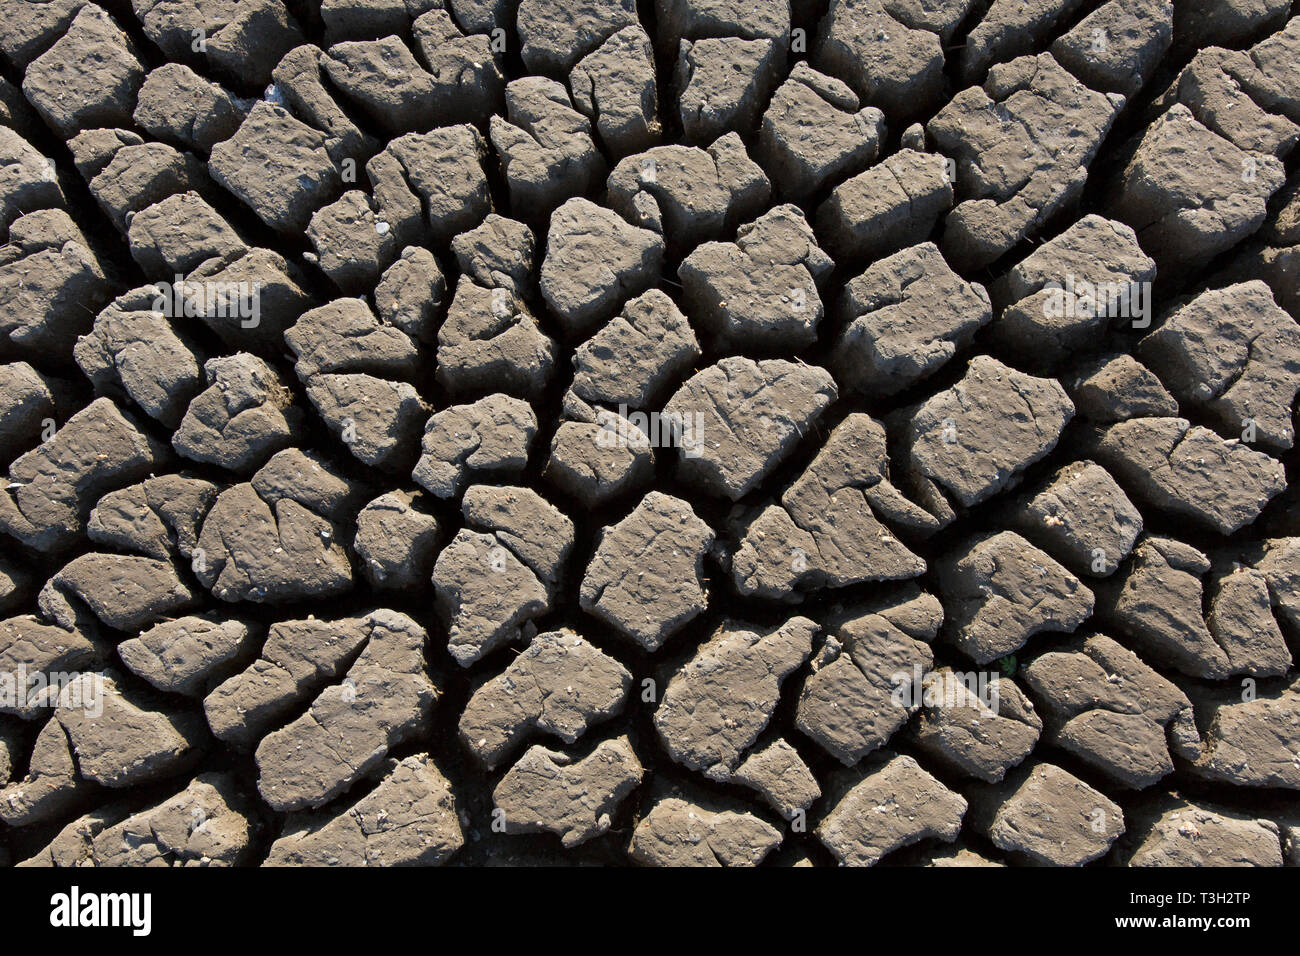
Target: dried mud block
1016, 164
353, 20
1118, 47
411, 292
501, 572
409, 819
717, 704
141, 175
861, 685
52, 787
51, 285
550, 792
1048, 818
1101, 703
555, 34
970, 442
27, 399
244, 416
999, 591
894, 204
300, 82
353, 243
1058, 300
676, 832
546, 147
379, 421
637, 355
594, 262
468, 82
178, 106
209, 823
442, 173
957, 856
29, 180
1247, 743
180, 233
741, 418
53, 487
260, 543
490, 341
383, 702
497, 253
832, 527
1008, 30
489, 438
891, 53
298, 659
1082, 518
1187, 212
159, 517
384, 82
278, 166
1234, 355
903, 319
692, 19
1228, 93
345, 336
813, 133
1229, 23
482, 16
687, 194
395, 541
88, 78
1114, 387
242, 41
646, 578
1242, 622
1157, 602
187, 655
1187, 834
614, 86
723, 83
133, 740
598, 463
250, 302
887, 808
777, 772
124, 592
32, 28
559, 685
42, 647
980, 732
761, 291
1277, 562
131, 352
1189, 471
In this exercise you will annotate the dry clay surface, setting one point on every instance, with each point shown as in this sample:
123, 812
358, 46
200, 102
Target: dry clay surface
675, 432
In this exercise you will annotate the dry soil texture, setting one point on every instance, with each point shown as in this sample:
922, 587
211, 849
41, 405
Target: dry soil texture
672, 432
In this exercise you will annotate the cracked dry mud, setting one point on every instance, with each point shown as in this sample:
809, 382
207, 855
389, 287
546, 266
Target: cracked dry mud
672, 432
